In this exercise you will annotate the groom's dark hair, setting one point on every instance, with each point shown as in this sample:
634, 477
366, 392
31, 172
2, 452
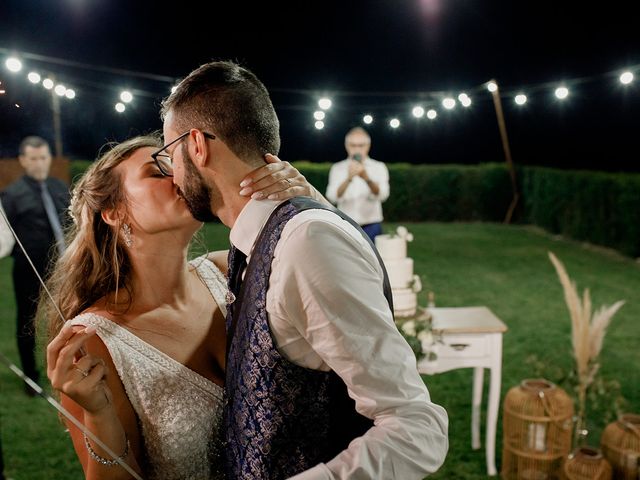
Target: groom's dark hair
230, 102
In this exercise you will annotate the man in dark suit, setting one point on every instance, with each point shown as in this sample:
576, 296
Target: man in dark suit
36, 206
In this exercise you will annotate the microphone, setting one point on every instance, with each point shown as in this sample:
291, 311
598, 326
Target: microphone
357, 157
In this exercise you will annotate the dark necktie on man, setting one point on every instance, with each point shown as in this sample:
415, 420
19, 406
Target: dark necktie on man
52, 215
237, 261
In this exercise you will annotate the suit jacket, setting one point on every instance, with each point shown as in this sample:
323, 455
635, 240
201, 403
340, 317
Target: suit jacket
22, 202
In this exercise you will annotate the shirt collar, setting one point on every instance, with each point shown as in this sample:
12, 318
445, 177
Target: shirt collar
33, 182
249, 223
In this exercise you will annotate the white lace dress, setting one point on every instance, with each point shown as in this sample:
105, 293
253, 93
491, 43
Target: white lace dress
179, 411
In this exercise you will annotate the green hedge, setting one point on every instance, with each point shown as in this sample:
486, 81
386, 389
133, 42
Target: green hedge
442, 193
600, 208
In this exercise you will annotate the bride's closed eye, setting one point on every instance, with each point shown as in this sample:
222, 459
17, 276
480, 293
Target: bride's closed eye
155, 172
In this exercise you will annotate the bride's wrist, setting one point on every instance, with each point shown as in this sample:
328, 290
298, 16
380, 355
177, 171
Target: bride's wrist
106, 415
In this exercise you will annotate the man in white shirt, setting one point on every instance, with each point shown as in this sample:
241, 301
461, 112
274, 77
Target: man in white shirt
310, 302
359, 184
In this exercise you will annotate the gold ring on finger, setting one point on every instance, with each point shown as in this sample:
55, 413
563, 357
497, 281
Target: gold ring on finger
84, 373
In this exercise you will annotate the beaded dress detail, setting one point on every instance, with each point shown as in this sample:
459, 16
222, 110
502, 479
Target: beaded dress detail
179, 411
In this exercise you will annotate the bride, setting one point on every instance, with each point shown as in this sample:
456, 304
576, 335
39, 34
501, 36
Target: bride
141, 362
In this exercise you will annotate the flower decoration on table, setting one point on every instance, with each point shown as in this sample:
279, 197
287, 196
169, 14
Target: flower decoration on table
419, 334
587, 335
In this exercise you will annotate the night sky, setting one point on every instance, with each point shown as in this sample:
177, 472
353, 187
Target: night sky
379, 54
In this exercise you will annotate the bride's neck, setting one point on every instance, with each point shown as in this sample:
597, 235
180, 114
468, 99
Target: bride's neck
159, 278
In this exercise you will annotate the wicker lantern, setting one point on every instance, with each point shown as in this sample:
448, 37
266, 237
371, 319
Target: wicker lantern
586, 463
537, 427
620, 444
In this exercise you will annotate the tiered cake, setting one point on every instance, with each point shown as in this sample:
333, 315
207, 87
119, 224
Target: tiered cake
404, 284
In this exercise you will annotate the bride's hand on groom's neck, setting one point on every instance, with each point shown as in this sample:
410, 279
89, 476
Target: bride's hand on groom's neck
277, 180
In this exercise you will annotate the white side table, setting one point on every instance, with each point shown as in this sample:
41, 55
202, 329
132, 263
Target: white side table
472, 338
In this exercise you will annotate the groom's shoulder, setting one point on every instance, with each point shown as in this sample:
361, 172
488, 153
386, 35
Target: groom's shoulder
322, 227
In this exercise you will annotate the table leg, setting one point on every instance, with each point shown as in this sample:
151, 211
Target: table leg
493, 404
478, 377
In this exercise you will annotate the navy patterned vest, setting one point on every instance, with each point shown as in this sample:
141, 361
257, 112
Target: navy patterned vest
279, 418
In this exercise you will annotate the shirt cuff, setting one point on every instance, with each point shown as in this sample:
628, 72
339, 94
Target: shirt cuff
319, 472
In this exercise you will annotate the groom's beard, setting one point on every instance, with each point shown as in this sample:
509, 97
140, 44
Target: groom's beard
196, 193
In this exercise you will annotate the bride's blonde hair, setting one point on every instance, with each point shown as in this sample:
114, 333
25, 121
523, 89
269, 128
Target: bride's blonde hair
95, 262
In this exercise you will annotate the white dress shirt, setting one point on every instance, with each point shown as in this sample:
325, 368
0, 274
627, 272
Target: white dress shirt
327, 311
6, 238
358, 201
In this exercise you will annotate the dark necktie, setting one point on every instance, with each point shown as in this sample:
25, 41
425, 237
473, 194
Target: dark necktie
237, 261
52, 215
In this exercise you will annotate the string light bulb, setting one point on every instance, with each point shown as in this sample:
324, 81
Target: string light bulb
561, 93
418, 111
325, 103
13, 64
34, 77
126, 96
626, 78
448, 103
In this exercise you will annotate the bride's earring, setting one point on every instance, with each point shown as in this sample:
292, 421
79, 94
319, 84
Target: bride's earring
126, 235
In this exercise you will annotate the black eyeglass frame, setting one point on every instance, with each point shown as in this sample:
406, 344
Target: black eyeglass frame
161, 153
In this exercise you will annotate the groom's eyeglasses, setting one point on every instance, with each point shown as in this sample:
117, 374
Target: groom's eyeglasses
164, 159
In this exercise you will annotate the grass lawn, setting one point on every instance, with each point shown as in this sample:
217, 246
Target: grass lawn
505, 268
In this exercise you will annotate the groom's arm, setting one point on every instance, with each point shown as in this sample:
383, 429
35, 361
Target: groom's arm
334, 299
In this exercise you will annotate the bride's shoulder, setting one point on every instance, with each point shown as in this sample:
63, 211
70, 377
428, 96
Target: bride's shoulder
217, 259
98, 315
100, 319
98, 309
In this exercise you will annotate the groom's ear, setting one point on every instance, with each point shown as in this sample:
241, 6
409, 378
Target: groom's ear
198, 148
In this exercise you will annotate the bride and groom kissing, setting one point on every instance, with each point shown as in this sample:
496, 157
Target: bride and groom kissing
279, 359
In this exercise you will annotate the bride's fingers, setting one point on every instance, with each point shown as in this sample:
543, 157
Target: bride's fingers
67, 356
60, 340
260, 177
85, 365
273, 164
97, 373
288, 193
270, 158
276, 183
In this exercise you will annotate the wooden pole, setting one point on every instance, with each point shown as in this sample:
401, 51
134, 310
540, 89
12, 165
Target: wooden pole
57, 130
507, 152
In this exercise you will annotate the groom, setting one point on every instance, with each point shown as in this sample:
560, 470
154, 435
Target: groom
319, 383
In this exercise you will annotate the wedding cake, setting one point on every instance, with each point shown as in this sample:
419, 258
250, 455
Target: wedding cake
404, 284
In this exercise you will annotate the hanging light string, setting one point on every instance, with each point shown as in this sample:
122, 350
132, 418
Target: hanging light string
424, 102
